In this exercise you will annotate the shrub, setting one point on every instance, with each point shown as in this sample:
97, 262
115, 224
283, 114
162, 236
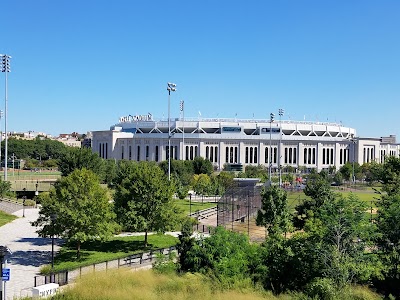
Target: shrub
321, 288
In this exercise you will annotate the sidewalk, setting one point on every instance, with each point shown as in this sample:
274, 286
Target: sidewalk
29, 253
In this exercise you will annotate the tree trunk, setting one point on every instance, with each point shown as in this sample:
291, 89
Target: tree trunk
78, 250
145, 238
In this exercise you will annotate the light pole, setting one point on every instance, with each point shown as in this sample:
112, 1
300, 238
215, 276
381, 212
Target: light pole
5, 68
280, 111
271, 119
354, 157
23, 202
171, 87
1, 136
37, 185
13, 157
182, 108
53, 218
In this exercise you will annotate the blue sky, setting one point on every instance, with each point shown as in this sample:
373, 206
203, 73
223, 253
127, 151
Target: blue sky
80, 65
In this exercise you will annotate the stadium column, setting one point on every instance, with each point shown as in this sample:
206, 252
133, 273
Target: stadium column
221, 155
318, 159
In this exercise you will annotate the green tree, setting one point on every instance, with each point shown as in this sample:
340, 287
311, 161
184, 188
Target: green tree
82, 209
256, 172
338, 178
388, 223
389, 175
143, 199
202, 166
79, 158
181, 170
347, 170
344, 228
226, 256
5, 187
274, 214
110, 167
201, 183
318, 189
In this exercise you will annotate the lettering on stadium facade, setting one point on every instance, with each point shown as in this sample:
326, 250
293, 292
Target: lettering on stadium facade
136, 118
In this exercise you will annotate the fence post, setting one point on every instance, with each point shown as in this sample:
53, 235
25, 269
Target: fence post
118, 262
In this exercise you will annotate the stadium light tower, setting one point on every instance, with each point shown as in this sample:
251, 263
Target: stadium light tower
281, 112
271, 119
1, 135
5, 68
171, 87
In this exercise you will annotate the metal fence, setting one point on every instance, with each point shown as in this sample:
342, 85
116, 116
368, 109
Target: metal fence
134, 260
238, 207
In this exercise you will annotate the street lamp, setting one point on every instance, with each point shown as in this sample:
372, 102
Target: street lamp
1, 135
13, 157
5, 68
271, 119
354, 157
53, 218
171, 87
23, 202
281, 112
182, 109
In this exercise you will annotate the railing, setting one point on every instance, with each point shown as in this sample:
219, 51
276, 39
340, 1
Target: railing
134, 260
9, 205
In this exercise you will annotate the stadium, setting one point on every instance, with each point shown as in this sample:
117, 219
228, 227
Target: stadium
236, 143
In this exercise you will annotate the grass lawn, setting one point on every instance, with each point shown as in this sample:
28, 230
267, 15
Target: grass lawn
366, 197
185, 205
117, 247
6, 218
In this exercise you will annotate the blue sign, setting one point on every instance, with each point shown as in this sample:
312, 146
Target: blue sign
231, 129
6, 275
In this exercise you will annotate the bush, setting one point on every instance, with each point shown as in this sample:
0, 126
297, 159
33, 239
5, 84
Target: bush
321, 288
166, 264
29, 202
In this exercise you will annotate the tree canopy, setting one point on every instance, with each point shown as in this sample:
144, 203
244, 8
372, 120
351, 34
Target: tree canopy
77, 210
143, 198
79, 158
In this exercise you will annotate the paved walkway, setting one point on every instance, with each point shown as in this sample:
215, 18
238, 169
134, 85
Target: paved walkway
29, 253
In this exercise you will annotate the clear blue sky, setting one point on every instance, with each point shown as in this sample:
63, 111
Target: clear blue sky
80, 65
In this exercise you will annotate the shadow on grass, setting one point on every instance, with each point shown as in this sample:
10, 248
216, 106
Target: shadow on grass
64, 256
112, 246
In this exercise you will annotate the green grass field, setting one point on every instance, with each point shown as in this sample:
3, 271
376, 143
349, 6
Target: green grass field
6, 218
184, 205
117, 247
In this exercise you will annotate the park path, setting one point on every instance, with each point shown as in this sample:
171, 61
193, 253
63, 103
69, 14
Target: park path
29, 253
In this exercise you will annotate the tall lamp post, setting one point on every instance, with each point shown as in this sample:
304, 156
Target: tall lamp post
182, 108
5, 68
1, 135
23, 202
171, 87
281, 112
271, 119
53, 218
354, 157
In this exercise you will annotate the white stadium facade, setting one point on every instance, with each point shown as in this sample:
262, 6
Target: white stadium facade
239, 143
